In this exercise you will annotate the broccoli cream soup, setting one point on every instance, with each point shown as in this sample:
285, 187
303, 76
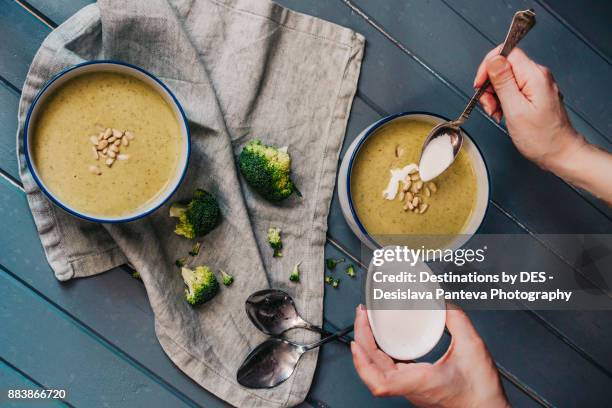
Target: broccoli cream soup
390, 198
106, 144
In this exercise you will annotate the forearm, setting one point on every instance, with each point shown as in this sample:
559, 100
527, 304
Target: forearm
588, 167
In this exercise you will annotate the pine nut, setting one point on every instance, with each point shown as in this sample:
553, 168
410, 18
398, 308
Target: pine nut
95, 170
427, 192
401, 196
109, 162
111, 139
125, 141
415, 201
117, 133
432, 186
407, 184
409, 196
117, 142
114, 148
415, 177
94, 152
111, 154
94, 140
105, 150
123, 156
102, 144
423, 208
107, 133
419, 184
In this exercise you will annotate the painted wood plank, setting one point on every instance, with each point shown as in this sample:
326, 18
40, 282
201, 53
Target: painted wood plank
69, 358
9, 102
11, 379
21, 36
584, 76
56, 11
590, 21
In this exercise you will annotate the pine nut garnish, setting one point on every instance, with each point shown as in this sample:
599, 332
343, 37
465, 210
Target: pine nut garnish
415, 201
409, 196
95, 170
419, 185
401, 195
107, 146
427, 192
415, 177
406, 185
432, 186
408, 206
423, 208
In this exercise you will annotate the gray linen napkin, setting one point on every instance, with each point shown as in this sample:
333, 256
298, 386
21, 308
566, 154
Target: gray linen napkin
241, 69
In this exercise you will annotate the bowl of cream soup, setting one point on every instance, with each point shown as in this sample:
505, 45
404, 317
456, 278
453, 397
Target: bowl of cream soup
107, 141
385, 202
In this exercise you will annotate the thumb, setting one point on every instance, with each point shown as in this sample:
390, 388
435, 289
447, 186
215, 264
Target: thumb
503, 81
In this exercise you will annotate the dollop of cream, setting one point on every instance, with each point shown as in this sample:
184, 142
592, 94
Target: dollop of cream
398, 175
436, 158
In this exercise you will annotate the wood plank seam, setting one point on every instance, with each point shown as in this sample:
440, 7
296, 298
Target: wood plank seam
91, 332
36, 13
32, 380
451, 86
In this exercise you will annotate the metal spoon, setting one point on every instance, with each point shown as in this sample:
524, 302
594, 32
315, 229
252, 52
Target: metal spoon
274, 360
273, 312
522, 22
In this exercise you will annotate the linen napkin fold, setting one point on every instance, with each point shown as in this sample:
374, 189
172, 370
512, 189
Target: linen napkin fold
241, 69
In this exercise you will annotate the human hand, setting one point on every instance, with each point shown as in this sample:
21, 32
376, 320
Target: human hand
527, 95
465, 376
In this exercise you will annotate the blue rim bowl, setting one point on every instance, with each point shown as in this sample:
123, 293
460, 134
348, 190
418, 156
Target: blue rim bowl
123, 68
483, 179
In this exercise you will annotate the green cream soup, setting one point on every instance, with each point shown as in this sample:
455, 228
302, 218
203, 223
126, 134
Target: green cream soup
396, 145
64, 154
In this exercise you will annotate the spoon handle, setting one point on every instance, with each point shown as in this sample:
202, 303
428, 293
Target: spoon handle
522, 22
329, 338
326, 333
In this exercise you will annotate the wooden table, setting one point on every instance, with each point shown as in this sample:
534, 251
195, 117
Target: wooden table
95, 337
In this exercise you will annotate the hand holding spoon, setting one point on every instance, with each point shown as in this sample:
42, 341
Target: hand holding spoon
274, 360
436, 154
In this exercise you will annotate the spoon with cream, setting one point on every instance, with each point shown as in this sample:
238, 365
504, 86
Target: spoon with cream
445, 140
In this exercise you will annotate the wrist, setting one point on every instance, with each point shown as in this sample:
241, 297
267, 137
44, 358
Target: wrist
565, 161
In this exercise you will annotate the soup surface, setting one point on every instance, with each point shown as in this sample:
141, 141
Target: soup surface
396, 145
63, 153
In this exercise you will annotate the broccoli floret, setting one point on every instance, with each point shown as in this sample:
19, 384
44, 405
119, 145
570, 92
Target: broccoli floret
274, 239
180, 262
350, 271
267, 169
201, 284
331, 262
227, 278
336, 283
197, 217
136, 275
295, 273
329, 280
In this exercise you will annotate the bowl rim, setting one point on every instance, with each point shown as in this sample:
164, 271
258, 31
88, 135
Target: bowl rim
366, 134
39, 182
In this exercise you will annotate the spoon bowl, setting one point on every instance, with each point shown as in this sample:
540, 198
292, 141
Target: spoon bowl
274, 360
273, 312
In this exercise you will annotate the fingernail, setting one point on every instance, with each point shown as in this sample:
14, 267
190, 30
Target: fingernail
360, 307
497, 65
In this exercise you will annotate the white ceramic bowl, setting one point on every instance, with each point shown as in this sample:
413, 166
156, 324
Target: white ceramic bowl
126, 69
344, 180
